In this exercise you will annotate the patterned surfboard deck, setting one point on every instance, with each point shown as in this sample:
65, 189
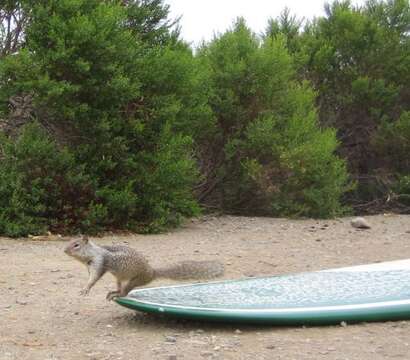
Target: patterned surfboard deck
373, 292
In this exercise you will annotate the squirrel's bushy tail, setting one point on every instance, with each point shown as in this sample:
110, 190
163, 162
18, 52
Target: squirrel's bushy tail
191, 270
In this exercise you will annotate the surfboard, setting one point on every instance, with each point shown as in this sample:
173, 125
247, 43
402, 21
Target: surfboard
375, 292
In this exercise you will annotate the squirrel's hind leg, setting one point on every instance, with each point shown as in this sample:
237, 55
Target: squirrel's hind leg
127, 286
113, 294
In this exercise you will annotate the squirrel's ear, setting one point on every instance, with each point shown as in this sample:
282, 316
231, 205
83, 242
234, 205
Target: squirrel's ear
85, 238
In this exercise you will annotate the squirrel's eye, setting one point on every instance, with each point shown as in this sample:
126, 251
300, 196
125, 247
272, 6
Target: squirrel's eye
76, 246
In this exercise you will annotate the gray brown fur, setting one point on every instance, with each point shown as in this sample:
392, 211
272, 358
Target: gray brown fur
191, 270
131, 268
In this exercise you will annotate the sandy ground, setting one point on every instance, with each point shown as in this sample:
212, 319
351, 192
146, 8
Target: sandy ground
42, 315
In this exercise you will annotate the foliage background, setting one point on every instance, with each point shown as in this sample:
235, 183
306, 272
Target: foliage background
108, 120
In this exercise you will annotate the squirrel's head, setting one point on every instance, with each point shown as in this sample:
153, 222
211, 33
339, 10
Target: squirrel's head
75, 247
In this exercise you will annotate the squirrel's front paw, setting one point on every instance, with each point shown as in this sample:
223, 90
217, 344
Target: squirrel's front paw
84, 292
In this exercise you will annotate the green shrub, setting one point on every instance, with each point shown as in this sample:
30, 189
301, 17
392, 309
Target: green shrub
392, 143
277, 160
402, 190
165, 185
356, 58
41, 186
114, 104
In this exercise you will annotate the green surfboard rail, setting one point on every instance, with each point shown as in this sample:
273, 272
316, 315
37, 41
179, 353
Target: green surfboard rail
377, 292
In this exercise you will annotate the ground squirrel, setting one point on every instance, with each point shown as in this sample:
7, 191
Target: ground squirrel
131, 268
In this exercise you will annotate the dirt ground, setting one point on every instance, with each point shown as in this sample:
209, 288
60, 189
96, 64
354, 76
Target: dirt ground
42, 315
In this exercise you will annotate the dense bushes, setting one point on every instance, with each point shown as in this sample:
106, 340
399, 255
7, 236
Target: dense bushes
109, 121
40, 185
276, 160
115, 160
357, 60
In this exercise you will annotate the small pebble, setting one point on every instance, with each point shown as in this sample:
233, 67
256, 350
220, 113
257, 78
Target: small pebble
206, 354
170, 339
249, 275
343, 324
360, 223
